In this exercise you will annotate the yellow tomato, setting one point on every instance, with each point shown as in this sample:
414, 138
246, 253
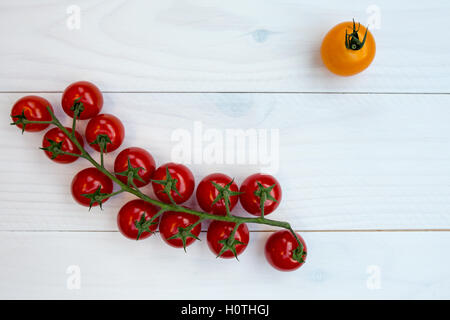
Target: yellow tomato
348, 49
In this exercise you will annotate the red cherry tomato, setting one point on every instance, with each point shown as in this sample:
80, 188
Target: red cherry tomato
250, 196
280, 248
207, 192
170, 225
56, 135
185, 182
221, 230
34, 108
133, 211
87, 181
105, 124
86, 93
139, 158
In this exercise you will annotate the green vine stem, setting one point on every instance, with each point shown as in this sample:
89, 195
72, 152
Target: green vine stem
164, 207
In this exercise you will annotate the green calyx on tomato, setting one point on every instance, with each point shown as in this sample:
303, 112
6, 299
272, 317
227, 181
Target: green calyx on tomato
32, 114
264, 194
224, 193
85, 94
101, 140
77, 108
227, 239
131, 173
183, 234
55, 148
59, 148
96, 197
229, 244
170, 184
352, 41
298, 254
21, 120
180, 229
143, 225
285, 250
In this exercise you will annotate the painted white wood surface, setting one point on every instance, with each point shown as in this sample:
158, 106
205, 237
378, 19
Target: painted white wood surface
210, 45
368, 265
345, 161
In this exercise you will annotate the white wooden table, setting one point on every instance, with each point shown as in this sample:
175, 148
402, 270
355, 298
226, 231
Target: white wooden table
364, 162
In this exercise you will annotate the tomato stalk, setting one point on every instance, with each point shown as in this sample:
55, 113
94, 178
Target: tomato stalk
192, 226
184, 233
352, 41
131, 173
20, 119
102, 140
55, 148
230, 243
224, 193
170, 184
264, 194
77, 109
144, 225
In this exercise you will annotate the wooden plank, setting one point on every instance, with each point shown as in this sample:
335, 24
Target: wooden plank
376, 265
344, 161
220, 46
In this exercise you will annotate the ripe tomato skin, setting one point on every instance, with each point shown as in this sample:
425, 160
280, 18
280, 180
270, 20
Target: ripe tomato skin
220, 230
106, 124
89, 95
250, 202
35, 109
206, 193
279, 249
342, 61
87, 181
171, 221
132, 211
57, 135
185, 183
138, 158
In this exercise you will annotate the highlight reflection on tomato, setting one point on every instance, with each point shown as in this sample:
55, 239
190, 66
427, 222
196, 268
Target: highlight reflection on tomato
105, 124
207, 193
56, 135
185, 183
344, 51
86, 93
133, 211
251, 199
87, 181
170, 225
34, 108
280, 248
221, 230
139, 158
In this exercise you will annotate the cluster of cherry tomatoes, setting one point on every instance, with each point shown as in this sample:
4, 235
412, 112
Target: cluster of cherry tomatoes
172, 183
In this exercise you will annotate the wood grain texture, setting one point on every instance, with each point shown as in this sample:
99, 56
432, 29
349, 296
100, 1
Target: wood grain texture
198, 45
345, 161
369, 152
340, 266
